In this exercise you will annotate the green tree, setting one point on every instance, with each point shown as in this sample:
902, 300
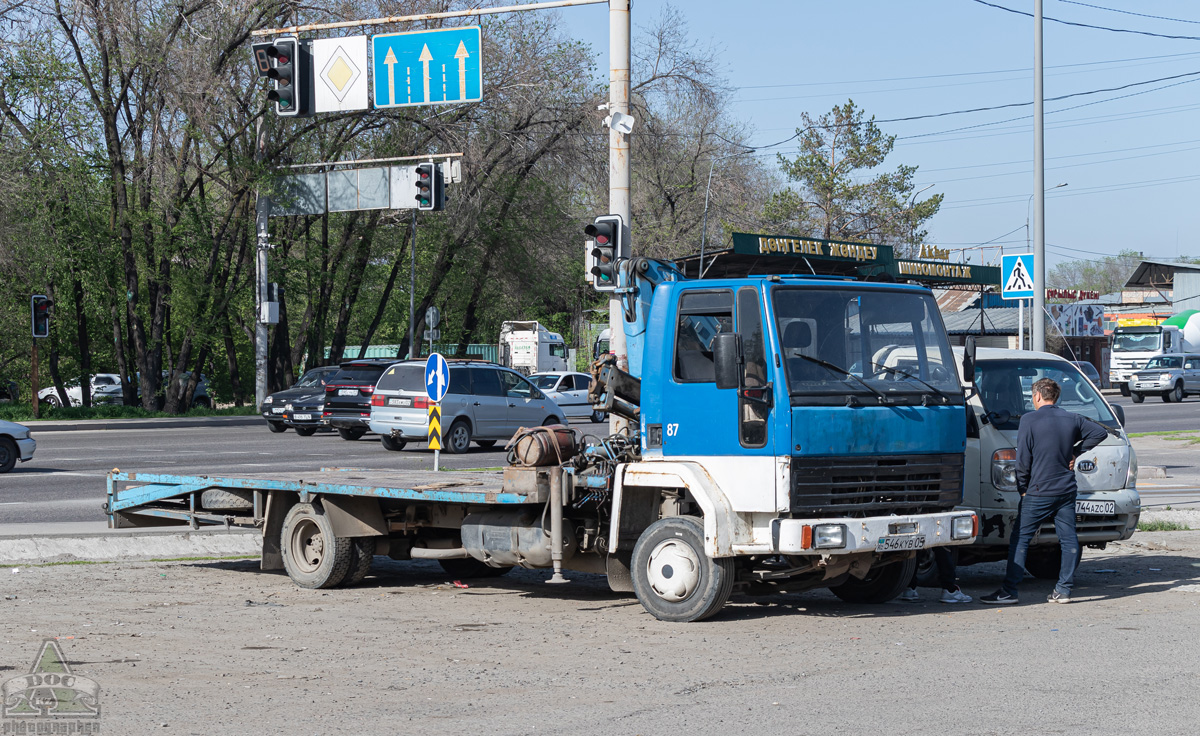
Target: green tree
842, 193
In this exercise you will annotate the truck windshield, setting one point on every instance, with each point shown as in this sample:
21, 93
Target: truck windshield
1136, 342
888, 342
1164, 361
1006, 390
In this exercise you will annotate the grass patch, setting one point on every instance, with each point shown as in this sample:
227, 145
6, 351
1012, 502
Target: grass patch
1162, 526
1170, 434
24, 413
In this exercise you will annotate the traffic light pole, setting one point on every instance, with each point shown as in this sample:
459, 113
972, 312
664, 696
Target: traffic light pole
33, 378
618, 166
262, 215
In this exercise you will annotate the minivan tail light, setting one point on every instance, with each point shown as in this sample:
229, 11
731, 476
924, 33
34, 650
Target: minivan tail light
377, 400
421, 402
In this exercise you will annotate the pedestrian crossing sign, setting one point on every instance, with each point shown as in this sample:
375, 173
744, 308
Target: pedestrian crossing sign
1016, 276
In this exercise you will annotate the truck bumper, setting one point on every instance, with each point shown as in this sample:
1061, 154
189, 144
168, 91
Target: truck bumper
878, 534
25, 448
1150, 386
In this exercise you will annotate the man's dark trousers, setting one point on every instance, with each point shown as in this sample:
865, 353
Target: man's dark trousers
1030, 515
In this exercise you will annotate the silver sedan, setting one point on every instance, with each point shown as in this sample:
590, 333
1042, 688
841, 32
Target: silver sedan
15, 444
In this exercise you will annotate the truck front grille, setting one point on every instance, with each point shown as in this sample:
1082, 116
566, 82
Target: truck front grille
869, 486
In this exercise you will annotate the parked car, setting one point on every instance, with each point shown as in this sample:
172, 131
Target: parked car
106, 389
485, 403
348, 396
1173, 377
16, 443
569, 390
1088, 370
280, 408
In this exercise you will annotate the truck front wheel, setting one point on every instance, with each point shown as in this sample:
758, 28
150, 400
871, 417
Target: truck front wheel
880, 585
1137, 397
672, 576
312, 555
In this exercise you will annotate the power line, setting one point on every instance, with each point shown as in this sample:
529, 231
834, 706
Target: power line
1087, 25
1129, 12
1058, 158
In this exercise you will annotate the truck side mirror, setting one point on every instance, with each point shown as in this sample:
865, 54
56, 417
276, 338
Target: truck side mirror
727, 359
1120, 412
968, 364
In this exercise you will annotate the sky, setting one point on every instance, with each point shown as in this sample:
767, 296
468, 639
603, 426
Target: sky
1130, 158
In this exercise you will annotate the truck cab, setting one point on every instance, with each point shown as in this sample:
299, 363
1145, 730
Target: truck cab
1108, 505
528, 348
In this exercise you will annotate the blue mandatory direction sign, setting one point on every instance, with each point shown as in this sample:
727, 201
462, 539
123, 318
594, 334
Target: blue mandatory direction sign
1016, 276
437, 377
427, 67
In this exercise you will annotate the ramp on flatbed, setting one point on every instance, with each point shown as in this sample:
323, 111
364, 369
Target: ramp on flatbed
175, 498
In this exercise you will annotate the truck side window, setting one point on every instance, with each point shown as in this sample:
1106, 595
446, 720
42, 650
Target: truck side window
752, 410
702, 314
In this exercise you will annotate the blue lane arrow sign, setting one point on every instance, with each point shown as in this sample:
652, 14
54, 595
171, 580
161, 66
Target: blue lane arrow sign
437, 377
428, 67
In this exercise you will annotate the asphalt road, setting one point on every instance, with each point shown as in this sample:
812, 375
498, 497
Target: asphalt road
1155, 416
65, 481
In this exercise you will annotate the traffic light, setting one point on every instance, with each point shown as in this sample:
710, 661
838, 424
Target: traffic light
284, 54
603, 249
430, 187
40, 309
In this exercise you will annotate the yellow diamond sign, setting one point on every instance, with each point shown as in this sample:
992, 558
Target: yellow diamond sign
340, 73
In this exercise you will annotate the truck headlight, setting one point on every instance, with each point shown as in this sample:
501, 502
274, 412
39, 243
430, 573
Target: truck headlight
1004, 469
1165, 377
829, 536
962, 527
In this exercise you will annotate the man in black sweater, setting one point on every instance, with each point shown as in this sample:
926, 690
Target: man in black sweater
1046, 481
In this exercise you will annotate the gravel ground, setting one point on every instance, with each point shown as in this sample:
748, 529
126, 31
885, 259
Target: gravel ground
204, 647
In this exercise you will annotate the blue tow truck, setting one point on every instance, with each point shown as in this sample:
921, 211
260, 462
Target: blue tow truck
784, 433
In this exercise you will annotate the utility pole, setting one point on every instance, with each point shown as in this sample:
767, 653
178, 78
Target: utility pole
618, 164
33, 379
262, 216
412, 286
1037, 331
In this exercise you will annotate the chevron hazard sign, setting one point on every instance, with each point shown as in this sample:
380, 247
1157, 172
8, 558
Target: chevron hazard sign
435, 427
1016, 276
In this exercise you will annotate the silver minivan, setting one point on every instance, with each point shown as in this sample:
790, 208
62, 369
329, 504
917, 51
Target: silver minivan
485, 403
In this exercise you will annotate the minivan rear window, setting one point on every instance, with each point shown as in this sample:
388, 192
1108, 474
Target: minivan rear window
359, 374
403, 378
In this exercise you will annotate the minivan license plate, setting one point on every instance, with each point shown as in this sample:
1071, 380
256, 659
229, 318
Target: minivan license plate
399, 402
900, 542
347, 392
1095, 508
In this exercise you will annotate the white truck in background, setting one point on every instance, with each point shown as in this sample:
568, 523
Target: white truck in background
528, 347
1133, 347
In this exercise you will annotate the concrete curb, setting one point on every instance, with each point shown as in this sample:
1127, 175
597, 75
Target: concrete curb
145, 546
159, 423
1152, 471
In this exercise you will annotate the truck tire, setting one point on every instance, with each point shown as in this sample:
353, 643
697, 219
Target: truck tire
391, 443
1124, 389
458, 439
469, 567
927, 576
8, 454
673, 577
1044, 563
1137, 397
312, 555
277, 427
216, 499
362, 554
1175, 394
880, 585
351, 435
306, 431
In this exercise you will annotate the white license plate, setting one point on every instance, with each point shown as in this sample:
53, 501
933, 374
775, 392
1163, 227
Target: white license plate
347, 392
277, 410
1097, 508
399, 402
900, 542
302, 417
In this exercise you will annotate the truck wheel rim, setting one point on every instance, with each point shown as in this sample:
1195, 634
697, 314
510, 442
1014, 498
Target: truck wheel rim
308, 545
673, 570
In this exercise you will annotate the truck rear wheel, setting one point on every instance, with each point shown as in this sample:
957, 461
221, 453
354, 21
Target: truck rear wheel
880, 585
673, 577
312, 555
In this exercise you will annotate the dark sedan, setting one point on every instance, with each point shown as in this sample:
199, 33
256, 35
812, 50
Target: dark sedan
279, 409
348, 395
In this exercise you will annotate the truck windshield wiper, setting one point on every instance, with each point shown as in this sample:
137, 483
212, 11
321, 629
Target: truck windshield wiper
844, 372
906, 374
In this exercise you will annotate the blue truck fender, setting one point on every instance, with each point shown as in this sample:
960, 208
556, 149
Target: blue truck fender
637, 496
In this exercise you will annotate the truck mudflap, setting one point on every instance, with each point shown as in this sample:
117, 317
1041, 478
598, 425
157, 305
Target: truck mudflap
845, 536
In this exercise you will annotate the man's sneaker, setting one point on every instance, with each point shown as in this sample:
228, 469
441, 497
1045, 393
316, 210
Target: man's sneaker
910, 594
999, 598
1057, 597
955, 596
